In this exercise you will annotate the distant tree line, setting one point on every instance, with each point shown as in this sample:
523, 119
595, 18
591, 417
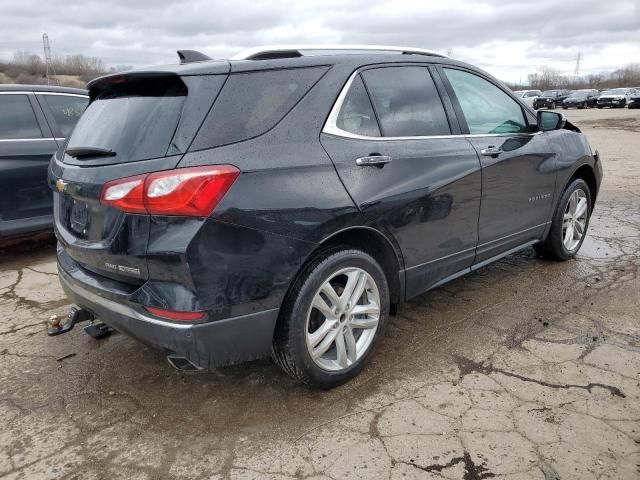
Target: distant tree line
72, 70
547, 78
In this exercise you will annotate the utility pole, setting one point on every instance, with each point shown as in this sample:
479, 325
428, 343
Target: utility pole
576, 72
47, 56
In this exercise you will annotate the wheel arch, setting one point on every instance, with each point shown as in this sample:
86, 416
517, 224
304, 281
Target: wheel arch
375, 243
586, 173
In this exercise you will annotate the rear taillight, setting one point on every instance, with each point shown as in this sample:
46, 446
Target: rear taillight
185, 191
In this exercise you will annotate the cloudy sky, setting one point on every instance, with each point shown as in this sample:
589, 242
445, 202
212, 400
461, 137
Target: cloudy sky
509, 38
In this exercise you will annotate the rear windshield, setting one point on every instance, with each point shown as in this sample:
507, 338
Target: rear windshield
252, 103
135, 118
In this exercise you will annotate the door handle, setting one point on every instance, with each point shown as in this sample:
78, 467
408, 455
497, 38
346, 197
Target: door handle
373, 160
491, 151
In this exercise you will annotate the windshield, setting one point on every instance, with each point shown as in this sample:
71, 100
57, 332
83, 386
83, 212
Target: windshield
550, 93
132, 120
616, 91
580, 93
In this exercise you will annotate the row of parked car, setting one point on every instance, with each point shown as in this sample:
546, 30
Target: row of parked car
585, 98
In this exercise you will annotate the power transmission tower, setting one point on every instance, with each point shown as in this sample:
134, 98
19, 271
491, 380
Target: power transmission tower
576, 72
47, 57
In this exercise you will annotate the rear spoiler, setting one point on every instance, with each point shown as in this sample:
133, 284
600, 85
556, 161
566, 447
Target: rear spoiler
191, 56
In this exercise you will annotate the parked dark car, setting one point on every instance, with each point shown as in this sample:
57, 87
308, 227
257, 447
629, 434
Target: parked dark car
286, 202
34, 120
581, 99
615, 98
550, 99
634, 99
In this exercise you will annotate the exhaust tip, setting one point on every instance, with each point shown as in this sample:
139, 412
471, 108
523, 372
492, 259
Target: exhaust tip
182, 364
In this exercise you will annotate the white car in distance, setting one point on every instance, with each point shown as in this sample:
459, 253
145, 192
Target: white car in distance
528, 96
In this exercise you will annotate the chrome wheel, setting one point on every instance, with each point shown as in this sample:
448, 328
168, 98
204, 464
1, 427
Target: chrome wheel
574, 221
343, 319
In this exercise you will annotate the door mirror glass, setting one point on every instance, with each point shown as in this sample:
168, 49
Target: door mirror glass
550, 120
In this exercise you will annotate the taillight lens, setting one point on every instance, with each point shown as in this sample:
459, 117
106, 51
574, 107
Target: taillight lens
185, 191
126, 194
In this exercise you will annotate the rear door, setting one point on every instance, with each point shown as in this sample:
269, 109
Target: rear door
26, 145
518, 174
390, 138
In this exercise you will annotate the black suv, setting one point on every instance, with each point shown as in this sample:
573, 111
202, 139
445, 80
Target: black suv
550, 99
285, 202
34, 120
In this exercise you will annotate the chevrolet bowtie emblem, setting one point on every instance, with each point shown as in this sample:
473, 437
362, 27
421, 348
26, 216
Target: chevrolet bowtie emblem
61, 185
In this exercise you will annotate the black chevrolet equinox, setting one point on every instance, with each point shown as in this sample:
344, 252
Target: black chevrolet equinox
286, 201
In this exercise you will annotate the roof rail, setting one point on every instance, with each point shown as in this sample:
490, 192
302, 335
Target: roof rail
291, 51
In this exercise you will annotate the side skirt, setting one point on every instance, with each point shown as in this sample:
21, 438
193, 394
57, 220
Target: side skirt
477, 266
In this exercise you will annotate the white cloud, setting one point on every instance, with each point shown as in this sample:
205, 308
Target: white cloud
509, 39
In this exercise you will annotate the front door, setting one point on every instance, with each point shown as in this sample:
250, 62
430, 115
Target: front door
518, 178
390, 140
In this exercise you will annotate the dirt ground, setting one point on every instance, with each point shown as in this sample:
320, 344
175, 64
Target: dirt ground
527, 369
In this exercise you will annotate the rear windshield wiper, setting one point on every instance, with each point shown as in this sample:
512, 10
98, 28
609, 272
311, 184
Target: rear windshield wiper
84, 152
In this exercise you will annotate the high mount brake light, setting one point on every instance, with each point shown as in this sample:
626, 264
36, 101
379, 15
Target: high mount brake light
184, 191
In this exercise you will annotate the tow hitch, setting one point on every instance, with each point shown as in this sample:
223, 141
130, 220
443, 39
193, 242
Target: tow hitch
76, 315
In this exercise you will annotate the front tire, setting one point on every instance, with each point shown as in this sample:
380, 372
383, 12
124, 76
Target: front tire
570, 223
332, 318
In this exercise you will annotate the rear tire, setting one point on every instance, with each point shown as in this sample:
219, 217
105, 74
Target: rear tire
319, 340
569, 224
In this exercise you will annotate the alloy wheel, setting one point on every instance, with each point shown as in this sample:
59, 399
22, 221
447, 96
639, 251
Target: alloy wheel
574, 221
343, 319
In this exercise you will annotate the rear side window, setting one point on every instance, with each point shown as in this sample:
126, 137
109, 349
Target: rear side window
66, 110
406, 101
356, 114
252, 103
133, 117
486, 108
17, 120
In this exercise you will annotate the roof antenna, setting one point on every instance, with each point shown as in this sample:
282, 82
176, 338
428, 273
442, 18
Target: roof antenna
189, 56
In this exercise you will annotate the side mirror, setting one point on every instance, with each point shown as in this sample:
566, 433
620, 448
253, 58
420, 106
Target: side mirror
550, 120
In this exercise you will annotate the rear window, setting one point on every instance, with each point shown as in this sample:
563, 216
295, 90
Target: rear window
17, 120
356, 115
134, 117
251, 104
66, 110
406, 101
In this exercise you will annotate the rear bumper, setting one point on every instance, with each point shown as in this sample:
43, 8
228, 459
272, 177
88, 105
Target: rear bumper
207, 345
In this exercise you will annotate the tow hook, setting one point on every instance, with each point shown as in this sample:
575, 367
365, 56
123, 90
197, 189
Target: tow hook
94, 329
75, 315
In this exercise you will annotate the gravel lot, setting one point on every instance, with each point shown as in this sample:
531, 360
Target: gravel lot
527, 369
